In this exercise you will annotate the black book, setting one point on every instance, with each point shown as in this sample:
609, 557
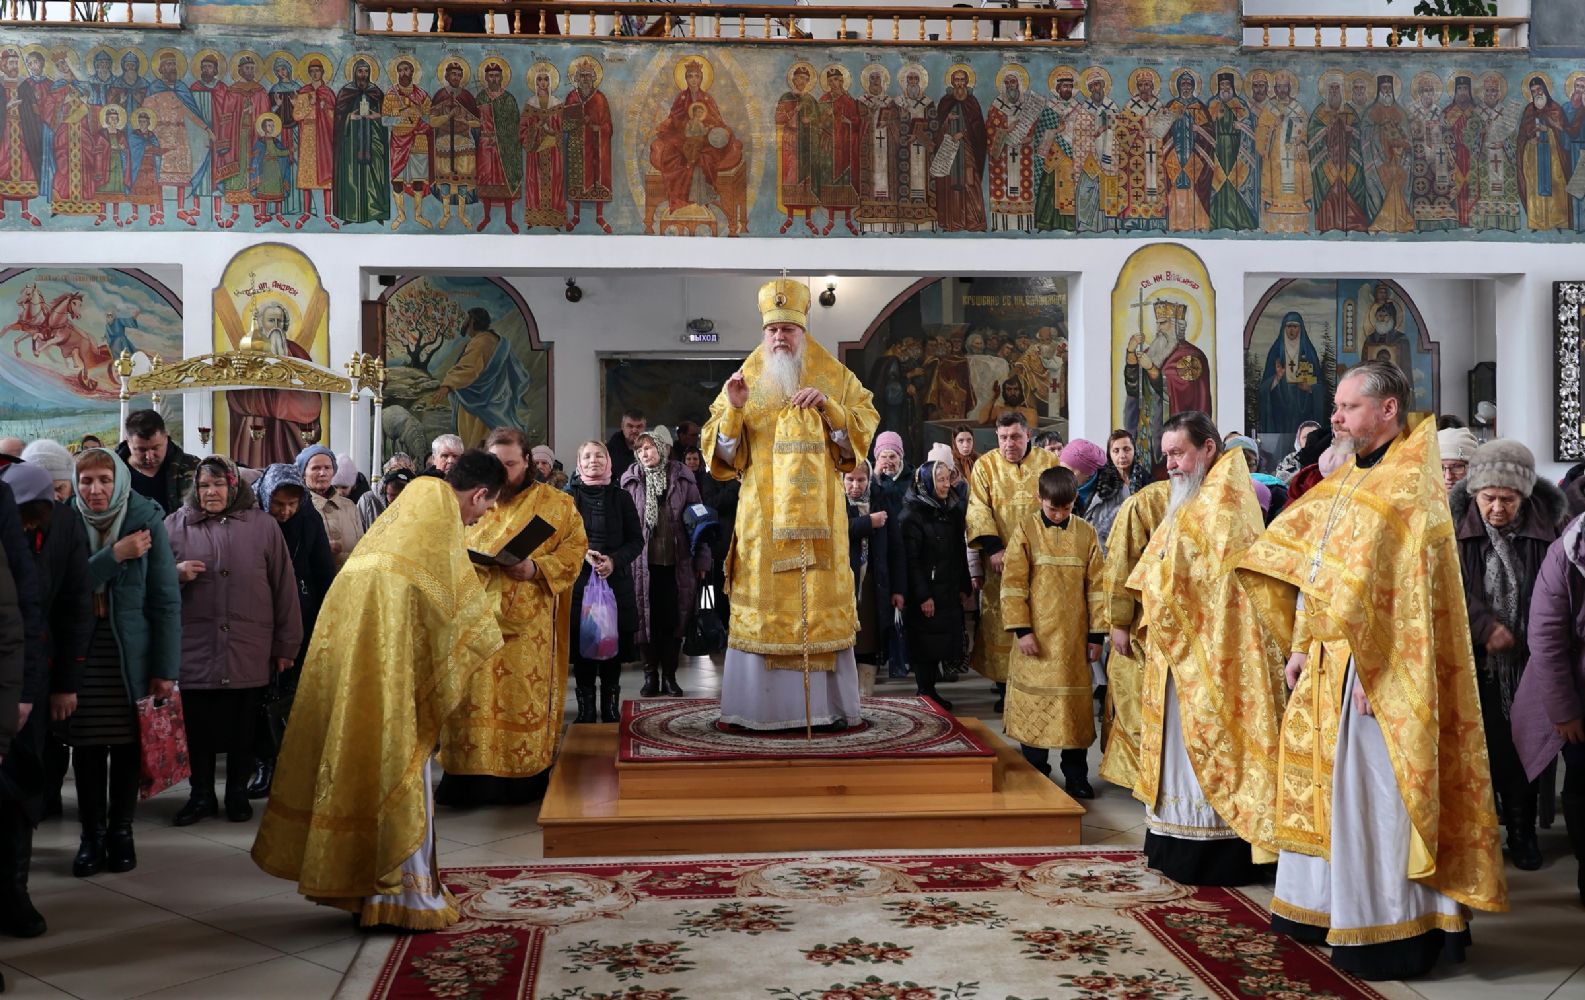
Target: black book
536, 533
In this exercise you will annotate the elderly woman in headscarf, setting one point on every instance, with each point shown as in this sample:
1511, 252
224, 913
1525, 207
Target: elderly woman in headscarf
1290, 464
135, 651
241, 622
666, 576
283, 495
343, 523
936, 570
1503, 537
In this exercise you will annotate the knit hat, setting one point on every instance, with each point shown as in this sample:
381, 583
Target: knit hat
1263, 495
346, 471
889, 441
1456, 444
53, 457
1083, 457
1503, 463
1243, 441
542, 453
28, 482
940, 452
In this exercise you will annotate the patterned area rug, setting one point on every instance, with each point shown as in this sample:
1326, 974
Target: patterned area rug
690, 729
1086, 923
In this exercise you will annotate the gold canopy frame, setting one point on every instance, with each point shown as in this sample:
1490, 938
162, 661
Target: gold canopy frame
250, 368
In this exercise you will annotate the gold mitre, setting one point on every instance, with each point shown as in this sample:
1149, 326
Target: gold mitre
784, 301
1168, 309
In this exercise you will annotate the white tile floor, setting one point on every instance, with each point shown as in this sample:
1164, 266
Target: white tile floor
198, 920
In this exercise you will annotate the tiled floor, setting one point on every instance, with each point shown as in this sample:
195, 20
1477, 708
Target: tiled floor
198, 920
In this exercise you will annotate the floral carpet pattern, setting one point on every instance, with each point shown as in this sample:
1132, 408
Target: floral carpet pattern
1089, 923
690, 729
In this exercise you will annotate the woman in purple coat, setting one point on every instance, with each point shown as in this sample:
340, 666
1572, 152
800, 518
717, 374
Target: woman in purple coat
666, 576
240, 622
1549, 707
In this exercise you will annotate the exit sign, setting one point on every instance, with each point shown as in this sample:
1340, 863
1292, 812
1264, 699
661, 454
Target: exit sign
701, 338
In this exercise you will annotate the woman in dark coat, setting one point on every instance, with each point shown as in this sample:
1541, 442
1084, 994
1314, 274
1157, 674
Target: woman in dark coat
938, 576
1505, 520
283, 494
615, 539
666, 577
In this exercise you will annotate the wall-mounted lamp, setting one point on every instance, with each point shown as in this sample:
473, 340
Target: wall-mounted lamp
573, 292
828, 298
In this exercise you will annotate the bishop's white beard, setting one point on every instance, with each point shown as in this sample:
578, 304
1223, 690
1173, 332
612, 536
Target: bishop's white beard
1183, 488
782, 373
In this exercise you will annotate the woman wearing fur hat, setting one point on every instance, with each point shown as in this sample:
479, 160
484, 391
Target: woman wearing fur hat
1503, 538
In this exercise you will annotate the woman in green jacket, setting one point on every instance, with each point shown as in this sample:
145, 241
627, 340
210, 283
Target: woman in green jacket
135, 651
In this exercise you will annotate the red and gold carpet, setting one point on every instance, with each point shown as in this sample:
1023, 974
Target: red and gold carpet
690, 729
1087, 923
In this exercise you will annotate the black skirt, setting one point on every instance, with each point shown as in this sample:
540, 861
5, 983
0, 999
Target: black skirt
105, 714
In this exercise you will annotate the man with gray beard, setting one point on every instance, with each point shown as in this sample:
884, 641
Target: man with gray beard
787, 424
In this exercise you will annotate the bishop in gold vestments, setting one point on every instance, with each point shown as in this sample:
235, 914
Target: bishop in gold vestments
509, 722
1385, 820
1003, 492
1211, 688
1140, 516
406, 626
793, 610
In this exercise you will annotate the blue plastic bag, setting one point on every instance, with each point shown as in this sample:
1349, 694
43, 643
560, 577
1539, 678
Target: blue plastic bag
597, 635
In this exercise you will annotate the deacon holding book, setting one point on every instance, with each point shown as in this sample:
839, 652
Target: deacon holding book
503, 736
789, 423
350, 818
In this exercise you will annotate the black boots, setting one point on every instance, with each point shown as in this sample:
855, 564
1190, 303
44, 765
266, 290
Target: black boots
1001, 697
120, 854
18, 918
926, 675
668, 682
1519, 809
201, 803
91, 766
263, 777
660, 670
1076, 774
611, 691
583, 679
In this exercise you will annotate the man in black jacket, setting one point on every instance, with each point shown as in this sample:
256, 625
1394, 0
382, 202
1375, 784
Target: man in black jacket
875, 551
160, 469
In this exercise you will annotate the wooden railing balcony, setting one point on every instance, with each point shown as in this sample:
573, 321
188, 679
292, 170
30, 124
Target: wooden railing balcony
726, 22
1354, 33
90, 14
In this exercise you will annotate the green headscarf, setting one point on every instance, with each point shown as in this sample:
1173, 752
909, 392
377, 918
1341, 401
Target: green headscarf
104, 527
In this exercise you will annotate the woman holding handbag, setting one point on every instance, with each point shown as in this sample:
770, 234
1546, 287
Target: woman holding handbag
615, 540
135, 651
240, 624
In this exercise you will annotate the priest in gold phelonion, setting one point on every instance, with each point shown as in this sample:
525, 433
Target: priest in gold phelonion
789, 423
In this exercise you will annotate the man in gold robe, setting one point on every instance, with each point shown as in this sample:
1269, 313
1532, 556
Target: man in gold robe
499, 744
350, 818
1210, 698
1003, 492
1138, 519
1384, 805
789, 423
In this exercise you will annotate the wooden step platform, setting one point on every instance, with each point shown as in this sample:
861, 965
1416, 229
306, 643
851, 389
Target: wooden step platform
588, 813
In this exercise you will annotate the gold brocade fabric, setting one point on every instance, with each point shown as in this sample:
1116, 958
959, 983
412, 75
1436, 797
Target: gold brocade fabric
406, 625
1214, 631
1138, 519
1388, 594
1051, 582
1001, 495
510, 718
769, 612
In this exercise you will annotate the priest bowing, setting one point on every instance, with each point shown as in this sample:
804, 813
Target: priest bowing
789, 423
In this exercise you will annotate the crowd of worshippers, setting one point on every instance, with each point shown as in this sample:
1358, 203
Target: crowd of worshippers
1045, 566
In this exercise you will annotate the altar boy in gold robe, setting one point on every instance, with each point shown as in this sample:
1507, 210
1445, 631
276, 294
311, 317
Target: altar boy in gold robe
503, 738
350, 818
1053, 602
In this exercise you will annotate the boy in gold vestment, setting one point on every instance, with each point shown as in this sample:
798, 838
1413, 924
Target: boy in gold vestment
1053, 602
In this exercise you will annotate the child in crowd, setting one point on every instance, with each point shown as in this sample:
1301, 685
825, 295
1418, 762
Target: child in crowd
1053, 601
874, 546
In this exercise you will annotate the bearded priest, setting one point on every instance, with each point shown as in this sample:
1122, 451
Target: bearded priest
1384, 808
1210, 699
789, 423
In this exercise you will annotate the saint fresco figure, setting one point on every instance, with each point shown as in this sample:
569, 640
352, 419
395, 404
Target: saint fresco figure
1293, 384
539, 135
916, 196
363, 156
130, 88
1165, 376
273, 425
1460, 118
77, 149
405, 111
314, 110
1143, 122
1387, 152
880, 124
1098, 192
693, 145
837, 140
1432, 163
1190, 156
1056, 163
182, 129
1233, 139
269, 172
282, 94
487, 385
500, 143
1337, 165
1574, 111
117, 172
797, 121
215, 105
1494, 172
957, 164
454, 121
236, 128
1009, 133
587, 126
1282, 141
1543, 158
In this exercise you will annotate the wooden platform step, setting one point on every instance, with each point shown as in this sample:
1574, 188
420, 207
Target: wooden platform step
586, 813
